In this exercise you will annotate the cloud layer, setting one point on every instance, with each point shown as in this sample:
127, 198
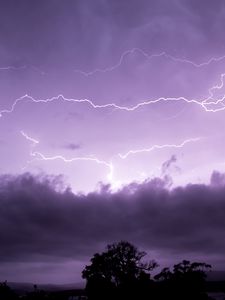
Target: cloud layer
41, 222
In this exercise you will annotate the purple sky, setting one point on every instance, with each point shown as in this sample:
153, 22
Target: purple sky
124, 102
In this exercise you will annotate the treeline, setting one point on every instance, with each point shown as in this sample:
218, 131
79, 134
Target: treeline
120, 273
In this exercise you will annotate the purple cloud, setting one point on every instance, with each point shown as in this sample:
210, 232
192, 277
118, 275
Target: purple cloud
40, 224
72, 146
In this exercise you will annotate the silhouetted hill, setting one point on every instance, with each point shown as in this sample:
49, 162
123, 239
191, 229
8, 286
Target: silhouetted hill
24, 287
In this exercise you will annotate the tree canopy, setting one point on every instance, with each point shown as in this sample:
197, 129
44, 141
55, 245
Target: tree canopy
119, 272
186, 279
120, 266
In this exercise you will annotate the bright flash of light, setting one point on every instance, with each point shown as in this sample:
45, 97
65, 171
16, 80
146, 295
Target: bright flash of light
40, 156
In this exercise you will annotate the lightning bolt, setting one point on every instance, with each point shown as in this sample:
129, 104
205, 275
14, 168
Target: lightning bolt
8, 68
119, 63
32, 140
215, 87
24, 67
121, 60
154, 147
96, 106
148, 57
208, 104
205, 103
196, 65
39, 156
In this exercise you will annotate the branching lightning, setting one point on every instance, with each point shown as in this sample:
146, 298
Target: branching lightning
148, 57
23, 67
214, 88
204, 104
119, 63
39, 156
209, 104
121, 60
32, 140
203, 64
8, 68
154, 147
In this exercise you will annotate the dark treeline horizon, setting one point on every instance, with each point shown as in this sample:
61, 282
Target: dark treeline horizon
121, 272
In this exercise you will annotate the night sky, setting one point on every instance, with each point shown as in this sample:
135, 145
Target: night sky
112, 116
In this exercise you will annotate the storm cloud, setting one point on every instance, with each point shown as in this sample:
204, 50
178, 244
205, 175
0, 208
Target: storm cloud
41, 220
72, 146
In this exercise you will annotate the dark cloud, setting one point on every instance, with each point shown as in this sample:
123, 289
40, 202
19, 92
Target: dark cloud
168, 163
40, 221
72, 146
217, 179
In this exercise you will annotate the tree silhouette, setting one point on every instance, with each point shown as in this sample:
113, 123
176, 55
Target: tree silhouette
117, 272
5, 292
120, 273
186, 281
